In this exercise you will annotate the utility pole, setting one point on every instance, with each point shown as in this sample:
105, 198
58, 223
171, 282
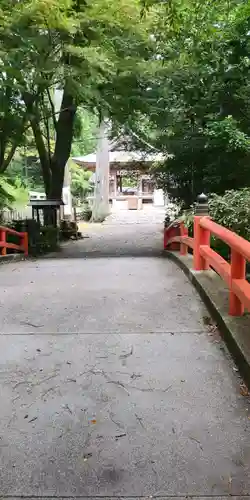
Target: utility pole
100, 208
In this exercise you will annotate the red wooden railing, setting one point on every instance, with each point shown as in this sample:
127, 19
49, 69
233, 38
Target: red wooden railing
233, 273
4, 244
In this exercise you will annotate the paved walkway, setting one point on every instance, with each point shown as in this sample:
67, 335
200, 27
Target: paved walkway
111, 382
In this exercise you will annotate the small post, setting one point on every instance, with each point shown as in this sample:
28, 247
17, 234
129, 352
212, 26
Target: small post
165, 239
201, 236
184, 232
172, 233
165, 233
25, 243
238, 271
3, 240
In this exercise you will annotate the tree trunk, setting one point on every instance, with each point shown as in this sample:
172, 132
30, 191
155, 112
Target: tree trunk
35, 123
64, 137
53, 168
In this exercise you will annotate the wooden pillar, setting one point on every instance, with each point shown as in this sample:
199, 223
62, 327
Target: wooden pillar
3, 241
140, 188
238, 272
201, 237
115, 184
120, 183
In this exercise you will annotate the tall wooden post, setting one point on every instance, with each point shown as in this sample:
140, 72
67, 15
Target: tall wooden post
100, 208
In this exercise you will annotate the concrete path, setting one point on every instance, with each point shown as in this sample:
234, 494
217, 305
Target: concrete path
111, 382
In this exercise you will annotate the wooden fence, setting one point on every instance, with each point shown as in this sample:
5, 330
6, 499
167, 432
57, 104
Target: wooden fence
5, 244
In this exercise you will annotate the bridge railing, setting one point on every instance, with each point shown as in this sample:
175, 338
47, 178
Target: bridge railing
5, 244
204, 257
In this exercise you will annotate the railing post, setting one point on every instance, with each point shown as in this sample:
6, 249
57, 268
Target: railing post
174, 246
201, 236
165, 239
238, 271
25, 243
184, 232
3, 240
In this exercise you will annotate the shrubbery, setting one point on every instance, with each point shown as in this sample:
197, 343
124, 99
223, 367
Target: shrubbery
231, 210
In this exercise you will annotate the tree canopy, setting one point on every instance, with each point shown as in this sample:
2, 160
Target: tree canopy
199, 113
172, 76
92, 51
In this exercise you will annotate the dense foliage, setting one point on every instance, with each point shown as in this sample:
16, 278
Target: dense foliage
92, 52
24, 172
199, 115
230, 210
173, 77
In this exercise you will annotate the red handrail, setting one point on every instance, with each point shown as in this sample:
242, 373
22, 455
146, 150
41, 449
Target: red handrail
4, 244
232, 239
233, 273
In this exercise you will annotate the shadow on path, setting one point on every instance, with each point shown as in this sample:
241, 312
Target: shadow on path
112, 382
115, 241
